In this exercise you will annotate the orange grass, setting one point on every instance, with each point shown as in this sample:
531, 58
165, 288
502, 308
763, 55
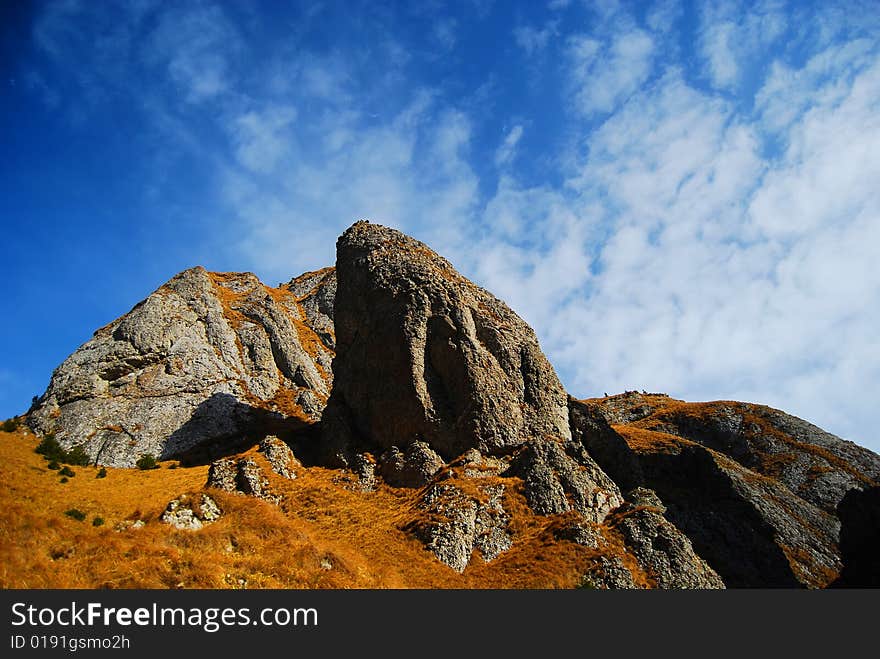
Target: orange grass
321, 536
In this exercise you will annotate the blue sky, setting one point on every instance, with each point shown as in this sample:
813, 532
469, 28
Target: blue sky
678, 196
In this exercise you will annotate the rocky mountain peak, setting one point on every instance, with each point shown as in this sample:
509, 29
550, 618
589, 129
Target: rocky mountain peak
207, 358
423, 354
420, 389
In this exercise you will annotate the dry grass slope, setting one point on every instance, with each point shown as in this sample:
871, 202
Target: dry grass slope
322, 536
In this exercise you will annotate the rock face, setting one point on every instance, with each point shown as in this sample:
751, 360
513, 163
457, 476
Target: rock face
661, 550
397, 369
859, 512
454, 524
422, 354
755, 526
412, 467
206, 358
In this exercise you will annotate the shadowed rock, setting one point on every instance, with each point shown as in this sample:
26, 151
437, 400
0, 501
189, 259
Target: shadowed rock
860, 539
422, 354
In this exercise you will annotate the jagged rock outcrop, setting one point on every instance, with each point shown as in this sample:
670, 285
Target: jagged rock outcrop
859, 512
815, 465
422, 354
403, 373
280, 457
241, 476
557, 481
453, 524
751, 528
190, 512
316, 293
205, 359
415, 466
662, 551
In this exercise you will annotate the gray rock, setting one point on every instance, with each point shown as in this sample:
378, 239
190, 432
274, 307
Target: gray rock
454, 524
422, 354
191, 512
608, 573
751, 529
205, 359
556, 481
316, 292
241, 476
413, 467
280, 457
476, 465
663, 551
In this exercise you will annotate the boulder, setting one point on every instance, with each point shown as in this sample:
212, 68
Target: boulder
190, 512
415, 466
423, 354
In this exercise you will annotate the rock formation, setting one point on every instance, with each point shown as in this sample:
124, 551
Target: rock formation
205, 359
422, 354
395, 368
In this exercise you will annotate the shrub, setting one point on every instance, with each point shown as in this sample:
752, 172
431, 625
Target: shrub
102, 473
67, 471
147, 461
10, 425
77, 456
76, 514
50, 449
53, 465
63, 480
98, 521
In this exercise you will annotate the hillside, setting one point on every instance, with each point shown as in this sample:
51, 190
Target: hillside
386, 423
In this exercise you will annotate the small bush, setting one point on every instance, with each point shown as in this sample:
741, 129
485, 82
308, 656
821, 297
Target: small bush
63, 480
10, 425
98, 521
102, 473
53, 465
67, 471
50, 449
173, 465
76, 514
77, 456
147, 461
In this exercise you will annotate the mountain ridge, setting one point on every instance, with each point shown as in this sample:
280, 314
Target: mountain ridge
395, 371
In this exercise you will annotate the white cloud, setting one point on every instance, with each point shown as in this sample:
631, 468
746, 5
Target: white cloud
604, 75
260, 137
507, 150
198, 46
532, 40
734, 36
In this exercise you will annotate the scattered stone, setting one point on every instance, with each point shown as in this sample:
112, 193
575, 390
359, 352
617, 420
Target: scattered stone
280, 457
241, 476
190, 512
127, 524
